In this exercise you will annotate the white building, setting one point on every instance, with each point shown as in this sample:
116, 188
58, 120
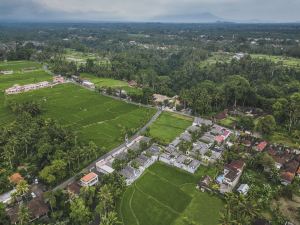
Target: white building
104, 166
89, 180
243, 189
88, 84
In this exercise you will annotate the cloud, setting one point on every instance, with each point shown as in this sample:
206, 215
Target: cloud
149, 10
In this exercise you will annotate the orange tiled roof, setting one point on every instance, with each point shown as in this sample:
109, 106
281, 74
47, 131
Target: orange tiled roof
15, 178
89, 177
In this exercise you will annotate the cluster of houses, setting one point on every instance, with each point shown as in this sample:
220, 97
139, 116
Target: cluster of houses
16, 89
132, 171
34, 201
206, 149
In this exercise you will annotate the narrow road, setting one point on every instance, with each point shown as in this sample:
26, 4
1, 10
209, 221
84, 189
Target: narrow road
93, 164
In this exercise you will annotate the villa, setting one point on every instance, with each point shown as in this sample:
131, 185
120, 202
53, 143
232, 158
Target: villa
89, 180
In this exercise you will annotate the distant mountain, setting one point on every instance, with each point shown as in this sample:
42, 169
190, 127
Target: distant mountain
201, 17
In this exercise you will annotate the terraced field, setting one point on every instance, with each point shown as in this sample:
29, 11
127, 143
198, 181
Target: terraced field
165, 195
168, 126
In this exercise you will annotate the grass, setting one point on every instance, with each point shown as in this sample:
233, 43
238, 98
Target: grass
19, 65
7, 81
97, 118
286, 61
168, 126
283, 138
81, 57
109, 82
166, 195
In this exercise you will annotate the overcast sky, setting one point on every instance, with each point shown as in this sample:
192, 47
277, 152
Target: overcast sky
151, 10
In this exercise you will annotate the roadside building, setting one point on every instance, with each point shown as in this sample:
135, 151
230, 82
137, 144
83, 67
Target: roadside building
104, 167
89, 180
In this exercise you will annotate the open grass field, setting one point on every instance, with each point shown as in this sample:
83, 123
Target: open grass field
109, 82
165, 195
96, 117
286, 61
81, 57
168, 126
19, 65
19, 77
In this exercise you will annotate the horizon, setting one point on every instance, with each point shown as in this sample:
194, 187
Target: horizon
163, 11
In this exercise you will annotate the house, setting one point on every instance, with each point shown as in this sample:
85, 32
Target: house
261, 146
221, 115
231, 174
239, 56
219, 139
37, 208
58, 79
166, 158
193, 166
130, 174
200, 147
88, 84
180, 160
6, 72
175, 142
192, 129
186, 136
205, 183
286, 177
144, 161
160, 99
104, 167
154, 150
89, 180
200, 121
132, 83
243, 189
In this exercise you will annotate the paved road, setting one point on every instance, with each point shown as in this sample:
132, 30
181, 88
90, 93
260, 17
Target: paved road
93, 164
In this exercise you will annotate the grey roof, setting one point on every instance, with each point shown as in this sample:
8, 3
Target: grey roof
186, 136
207, 137
201, 147
165, 155
154, 149
194, 164
127, 172
193, 128
175, 142
142, 160
199, 121
121, 156
170, 149
181, 159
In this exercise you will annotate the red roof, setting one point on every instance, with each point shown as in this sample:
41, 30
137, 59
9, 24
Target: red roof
261, 146
89, 177
219, 139
237, 164
287, 176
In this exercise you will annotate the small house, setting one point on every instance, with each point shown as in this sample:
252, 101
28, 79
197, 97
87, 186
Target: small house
261, 146
205, 183
89, 180
104, 167
243, 189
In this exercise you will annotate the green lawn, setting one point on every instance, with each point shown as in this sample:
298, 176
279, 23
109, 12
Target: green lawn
109, 82
19, 65
168, 126
7, 81
97, 118
165, 195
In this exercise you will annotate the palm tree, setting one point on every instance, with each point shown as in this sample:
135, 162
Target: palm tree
51, 199
22, 188
23, 215
109, 219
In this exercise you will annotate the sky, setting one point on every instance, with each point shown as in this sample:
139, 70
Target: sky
151, 10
